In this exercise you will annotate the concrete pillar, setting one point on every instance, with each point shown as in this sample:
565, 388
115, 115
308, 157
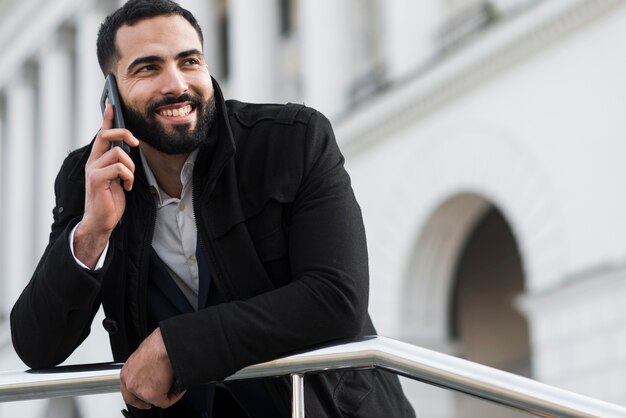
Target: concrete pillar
54, 139
410, 34
254, 32
4, 309
325, 35
18, 201
205, 13
89, 79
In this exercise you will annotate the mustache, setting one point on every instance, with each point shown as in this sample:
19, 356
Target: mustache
195, 100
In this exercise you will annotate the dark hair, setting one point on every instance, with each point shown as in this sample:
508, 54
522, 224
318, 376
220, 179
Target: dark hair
132, 12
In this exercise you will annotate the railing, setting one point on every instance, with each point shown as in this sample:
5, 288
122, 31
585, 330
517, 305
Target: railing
401, 358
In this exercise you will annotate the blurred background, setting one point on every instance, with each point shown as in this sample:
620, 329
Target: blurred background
485, 140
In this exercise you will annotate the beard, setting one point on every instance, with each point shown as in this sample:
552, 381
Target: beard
183, 139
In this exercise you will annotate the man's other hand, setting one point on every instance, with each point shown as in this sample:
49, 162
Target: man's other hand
147, 377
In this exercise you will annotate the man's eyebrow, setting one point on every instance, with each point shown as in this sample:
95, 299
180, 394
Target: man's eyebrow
188, 53
155, 58
144, 60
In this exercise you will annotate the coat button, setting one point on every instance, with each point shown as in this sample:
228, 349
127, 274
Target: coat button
110, 325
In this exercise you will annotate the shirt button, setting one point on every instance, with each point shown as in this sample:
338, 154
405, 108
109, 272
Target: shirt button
181, 207
192, 259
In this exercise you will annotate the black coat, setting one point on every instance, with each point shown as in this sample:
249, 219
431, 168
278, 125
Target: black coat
285, 243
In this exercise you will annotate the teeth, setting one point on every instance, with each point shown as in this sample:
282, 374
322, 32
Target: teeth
183, 111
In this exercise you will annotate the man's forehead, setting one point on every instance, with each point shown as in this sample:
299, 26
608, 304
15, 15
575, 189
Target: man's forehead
161, 33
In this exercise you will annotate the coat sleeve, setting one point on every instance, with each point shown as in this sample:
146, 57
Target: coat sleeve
324, 299
53, 314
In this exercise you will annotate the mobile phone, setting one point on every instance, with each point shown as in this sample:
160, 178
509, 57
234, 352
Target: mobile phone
110, 95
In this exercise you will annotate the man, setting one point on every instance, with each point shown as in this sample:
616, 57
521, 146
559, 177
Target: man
228, 236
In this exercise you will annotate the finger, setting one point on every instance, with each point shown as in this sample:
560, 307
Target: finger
176, 396
108, 178
113, 157
108, 134
111, 173
136, 402
104, 138
169, 400
117, 155
131, 399
107, 125
107, 117
120, 134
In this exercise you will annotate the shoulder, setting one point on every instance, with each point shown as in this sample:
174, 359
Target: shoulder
289, 129
279, 146
253, 114
73, 167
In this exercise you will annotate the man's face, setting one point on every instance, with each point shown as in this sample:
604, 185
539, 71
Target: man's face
165, 84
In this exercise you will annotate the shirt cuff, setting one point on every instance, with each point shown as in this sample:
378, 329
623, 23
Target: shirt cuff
100, 262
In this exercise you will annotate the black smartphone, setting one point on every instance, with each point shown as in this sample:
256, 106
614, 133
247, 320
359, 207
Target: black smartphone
110, 95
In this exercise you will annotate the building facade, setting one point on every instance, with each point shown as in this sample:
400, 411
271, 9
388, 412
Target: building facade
485, 141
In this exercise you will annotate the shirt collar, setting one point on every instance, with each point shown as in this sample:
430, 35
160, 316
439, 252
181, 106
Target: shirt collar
186, 175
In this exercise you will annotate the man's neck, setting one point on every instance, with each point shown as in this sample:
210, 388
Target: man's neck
166, 169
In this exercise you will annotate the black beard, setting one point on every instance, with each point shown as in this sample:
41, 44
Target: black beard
145, 127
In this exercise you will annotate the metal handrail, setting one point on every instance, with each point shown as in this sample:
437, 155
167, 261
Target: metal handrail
404, 359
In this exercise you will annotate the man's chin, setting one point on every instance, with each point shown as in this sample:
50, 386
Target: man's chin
171, 149
171, 128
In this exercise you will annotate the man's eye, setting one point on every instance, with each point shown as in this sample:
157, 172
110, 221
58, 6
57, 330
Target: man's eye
146, 68
192, 61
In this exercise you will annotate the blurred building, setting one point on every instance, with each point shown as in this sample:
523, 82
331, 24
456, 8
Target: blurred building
486, 140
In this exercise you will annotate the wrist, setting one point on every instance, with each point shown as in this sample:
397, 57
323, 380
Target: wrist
88, 245
160, 345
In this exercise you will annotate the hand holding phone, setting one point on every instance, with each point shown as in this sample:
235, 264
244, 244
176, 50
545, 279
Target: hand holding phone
110, 95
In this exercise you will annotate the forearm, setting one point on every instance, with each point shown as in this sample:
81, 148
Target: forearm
53, 314
231, 336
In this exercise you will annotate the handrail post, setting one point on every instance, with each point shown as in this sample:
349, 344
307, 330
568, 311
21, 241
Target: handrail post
297, 395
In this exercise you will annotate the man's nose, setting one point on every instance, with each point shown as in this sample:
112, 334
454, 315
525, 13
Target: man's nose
174, 82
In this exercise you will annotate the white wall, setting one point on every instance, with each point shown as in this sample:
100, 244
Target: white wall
543, 141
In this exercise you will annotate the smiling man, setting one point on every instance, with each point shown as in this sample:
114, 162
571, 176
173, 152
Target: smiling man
228, 236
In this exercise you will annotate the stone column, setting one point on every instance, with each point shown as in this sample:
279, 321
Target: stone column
18, 197
254, 43
56, 112
89, 79
4, 308
410, 34
205, 13
325, 36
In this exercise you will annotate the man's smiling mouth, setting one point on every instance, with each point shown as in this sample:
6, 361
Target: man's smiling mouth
176, 111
